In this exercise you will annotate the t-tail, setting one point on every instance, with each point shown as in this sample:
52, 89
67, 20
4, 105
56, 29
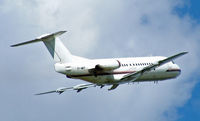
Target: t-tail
55, 47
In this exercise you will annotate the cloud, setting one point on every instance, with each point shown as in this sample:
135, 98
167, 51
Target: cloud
97, 29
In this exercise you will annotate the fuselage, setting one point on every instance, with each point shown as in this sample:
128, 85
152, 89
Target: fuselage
115, 69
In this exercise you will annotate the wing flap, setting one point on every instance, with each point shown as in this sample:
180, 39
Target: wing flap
114, 86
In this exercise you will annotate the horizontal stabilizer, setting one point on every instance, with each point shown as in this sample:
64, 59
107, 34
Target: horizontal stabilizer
41, 38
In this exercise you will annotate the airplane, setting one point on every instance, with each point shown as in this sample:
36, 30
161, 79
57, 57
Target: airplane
101, 72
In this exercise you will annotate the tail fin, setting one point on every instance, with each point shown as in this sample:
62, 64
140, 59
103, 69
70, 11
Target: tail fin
55, 47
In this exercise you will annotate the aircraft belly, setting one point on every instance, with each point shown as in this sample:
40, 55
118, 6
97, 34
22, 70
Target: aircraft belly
105, 79
157, 76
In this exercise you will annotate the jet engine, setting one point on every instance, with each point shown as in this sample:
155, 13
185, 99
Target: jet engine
108, 65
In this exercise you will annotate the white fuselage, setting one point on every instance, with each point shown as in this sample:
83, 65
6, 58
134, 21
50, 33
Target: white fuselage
115, 69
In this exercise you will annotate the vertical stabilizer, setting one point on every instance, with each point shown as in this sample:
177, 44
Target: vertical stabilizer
57, 49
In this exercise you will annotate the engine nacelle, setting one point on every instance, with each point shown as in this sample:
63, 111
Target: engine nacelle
108, 65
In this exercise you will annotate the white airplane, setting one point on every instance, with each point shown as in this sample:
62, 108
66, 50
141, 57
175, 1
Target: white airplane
101, 72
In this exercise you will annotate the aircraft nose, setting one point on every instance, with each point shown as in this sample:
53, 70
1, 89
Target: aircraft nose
175, 69
178, 69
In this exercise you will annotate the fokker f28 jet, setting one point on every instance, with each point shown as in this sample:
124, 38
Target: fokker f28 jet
101, 72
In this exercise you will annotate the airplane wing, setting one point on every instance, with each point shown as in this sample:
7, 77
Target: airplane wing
134, 76
60, 90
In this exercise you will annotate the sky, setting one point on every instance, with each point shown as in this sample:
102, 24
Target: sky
99, 29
